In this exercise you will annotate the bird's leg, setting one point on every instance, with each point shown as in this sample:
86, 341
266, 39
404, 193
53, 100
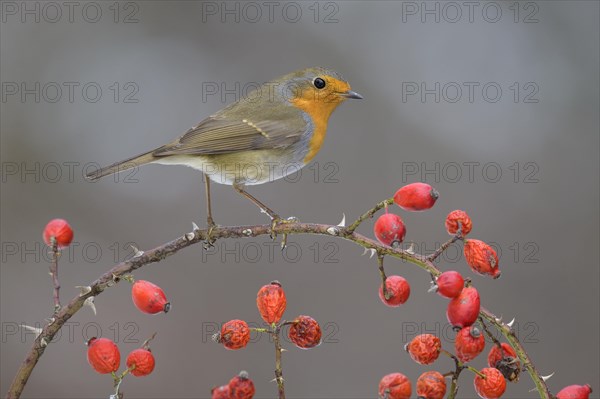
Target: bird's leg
209, 219
275, 218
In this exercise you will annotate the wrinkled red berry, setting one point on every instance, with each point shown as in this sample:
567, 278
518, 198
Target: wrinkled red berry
449, 284
431, 385
575, 392
221, 392
395, 386
481, 258
59, 230
143, 360
424, 348
504, 358
305, 332
398, 291
469, 343
492, 386
103, 355
416, 197
235, 334
458, 220
271, 302
241, 387
389, 229
464, 309
149, 298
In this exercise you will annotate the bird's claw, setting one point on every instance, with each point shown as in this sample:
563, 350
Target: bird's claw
209, 241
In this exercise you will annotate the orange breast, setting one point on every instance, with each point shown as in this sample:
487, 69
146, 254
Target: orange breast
319, 113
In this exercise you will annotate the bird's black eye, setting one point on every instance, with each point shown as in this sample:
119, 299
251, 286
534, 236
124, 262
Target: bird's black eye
319, 83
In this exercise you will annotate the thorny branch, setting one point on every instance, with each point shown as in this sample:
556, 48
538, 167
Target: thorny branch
111, 277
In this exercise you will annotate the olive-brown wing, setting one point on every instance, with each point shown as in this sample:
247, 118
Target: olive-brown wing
217, 135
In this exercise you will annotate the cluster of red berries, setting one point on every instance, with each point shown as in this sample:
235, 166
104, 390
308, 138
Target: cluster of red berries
462, 311
469, 343
304, 331
271, 302
104, 357
239, 387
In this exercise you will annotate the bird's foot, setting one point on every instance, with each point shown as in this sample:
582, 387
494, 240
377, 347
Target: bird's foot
209, 241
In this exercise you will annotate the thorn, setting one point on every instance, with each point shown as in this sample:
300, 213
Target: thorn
293, 219
373, 252
433, 287
247, 232
365, 252
90, 302
189, 236
547, 377
343, 222
51, 320
334, 231
411, 249
44, 342
84, 289
195, 227
137, 252
35, 330
273, 380
510, 324
284, 350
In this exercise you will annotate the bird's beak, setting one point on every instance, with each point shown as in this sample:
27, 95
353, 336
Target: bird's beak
351, 94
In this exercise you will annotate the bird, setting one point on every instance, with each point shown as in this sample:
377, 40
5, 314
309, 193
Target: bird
273, 131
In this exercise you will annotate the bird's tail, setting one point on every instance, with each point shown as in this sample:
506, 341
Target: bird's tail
127, 164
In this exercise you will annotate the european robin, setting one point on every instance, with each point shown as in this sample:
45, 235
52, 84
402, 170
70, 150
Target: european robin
274, 131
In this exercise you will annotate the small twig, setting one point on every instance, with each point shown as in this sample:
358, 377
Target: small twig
369, 214
278, 369
490, 335
54, 274
440, 250
386, 293
146, 343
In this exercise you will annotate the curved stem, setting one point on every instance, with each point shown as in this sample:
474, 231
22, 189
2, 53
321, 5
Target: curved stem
369, 214
159, 253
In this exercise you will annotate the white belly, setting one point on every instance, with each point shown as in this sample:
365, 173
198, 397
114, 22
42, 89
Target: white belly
227, 171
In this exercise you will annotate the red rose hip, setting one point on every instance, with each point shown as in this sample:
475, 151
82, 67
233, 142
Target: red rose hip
492, 386
481, 258
424, 348
505, 359
389, 229
305, 332
143, 360
398, 291
463, 310
416, 197
241, 386
271, 302
458, 220
235, 334
395, 386
149, 298
431, 385
221, 392
575, 392
469, 343
103, 355
60, 231
449, 284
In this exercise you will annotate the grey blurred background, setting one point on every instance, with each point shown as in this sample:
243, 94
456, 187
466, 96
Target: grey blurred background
533, 154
